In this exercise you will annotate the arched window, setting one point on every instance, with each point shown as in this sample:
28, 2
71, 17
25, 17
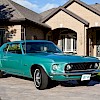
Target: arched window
68, 43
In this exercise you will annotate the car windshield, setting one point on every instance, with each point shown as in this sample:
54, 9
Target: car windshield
36, 47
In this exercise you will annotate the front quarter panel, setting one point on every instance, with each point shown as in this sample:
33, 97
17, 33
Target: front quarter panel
29, 61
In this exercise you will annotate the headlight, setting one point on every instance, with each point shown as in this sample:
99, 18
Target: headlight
68, 67
55, 67
96, 65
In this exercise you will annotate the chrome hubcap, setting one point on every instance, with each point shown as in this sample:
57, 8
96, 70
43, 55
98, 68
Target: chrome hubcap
37, 78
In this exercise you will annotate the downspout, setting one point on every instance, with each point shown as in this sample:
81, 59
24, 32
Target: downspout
85, 39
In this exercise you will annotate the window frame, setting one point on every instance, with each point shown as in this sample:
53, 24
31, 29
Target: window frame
64, 45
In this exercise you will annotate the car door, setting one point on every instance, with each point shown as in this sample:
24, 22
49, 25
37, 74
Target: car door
11, 58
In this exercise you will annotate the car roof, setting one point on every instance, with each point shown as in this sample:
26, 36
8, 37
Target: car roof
22, 41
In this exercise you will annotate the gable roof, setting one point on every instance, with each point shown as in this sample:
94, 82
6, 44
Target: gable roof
45, 13
8, 9
20, 13
96, 6
96, 11
25, 12
66, 11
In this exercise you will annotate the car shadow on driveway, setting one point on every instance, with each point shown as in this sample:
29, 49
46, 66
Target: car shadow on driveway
75, 83
20, 77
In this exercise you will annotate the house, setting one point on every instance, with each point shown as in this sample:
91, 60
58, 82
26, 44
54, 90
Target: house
74, 27
19, 23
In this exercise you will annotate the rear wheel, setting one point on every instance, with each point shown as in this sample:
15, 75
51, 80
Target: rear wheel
83, 83
41, 79
1, 74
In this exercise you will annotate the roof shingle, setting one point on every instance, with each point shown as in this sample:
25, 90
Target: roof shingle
45, 13
21, 13
96, 6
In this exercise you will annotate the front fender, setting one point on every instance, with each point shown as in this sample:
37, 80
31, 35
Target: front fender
46, 67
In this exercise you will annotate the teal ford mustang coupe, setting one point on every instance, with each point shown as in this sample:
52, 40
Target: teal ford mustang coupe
43, 61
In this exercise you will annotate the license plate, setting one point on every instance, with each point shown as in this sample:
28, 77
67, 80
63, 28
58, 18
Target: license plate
85, 77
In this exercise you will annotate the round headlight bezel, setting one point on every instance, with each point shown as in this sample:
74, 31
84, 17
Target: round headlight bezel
54, 67
68, 67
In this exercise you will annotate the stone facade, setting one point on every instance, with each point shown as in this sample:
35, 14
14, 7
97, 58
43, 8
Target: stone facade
74, 27
71, 23
86, 35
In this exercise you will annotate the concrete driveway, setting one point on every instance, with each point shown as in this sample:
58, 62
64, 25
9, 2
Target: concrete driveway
12, 88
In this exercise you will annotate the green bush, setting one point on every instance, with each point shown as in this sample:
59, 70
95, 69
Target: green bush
98, 74
15, 47
97, 77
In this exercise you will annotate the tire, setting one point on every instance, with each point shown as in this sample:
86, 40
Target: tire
83, 83
1, 74
41, 79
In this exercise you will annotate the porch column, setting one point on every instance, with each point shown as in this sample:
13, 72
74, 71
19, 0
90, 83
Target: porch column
85, 41
81, 42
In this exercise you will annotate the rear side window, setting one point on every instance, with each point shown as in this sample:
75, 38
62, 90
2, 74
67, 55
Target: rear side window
13, 48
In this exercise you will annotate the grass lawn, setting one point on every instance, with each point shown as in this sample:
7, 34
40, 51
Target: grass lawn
97, 78
99, 74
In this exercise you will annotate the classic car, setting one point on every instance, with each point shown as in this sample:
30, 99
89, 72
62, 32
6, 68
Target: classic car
43, 61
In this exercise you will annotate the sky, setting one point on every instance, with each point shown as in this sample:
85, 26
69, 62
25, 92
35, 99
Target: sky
43, 5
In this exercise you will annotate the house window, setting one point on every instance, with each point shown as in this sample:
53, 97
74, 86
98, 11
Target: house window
98, 43
68, 43
74, 44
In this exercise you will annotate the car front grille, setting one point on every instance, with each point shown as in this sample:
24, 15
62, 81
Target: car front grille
81, 66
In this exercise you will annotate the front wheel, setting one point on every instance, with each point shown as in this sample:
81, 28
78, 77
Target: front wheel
40, 79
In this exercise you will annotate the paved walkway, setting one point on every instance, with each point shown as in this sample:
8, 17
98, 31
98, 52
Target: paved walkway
12, 88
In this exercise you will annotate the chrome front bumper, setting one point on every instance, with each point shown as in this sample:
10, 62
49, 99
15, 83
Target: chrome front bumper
75, 73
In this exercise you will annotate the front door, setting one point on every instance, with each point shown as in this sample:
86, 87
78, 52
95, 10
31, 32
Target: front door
98, 43
11, 59
2, 32
98, 50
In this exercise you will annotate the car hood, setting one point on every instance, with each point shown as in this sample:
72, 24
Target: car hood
60, 57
